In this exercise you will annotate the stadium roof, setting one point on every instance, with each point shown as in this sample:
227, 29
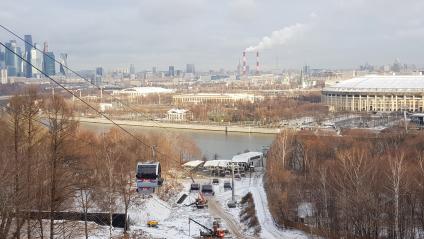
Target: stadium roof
376, 83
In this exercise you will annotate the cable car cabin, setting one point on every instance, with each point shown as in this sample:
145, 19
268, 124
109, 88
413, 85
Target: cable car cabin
148, 176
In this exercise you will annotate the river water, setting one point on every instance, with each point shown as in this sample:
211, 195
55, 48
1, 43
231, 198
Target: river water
209, 142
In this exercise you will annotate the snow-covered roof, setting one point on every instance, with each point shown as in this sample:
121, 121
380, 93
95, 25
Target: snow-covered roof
143, 90
376, 83
216, 163
177, 111
193, 164
244, 158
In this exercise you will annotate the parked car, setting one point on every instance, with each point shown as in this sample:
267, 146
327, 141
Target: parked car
215, 181
207, 190
237, 176
194, 187
227, 186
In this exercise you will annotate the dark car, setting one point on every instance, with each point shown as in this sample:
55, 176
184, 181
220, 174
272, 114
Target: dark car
194, 187
215, 181
207, 190
227, 186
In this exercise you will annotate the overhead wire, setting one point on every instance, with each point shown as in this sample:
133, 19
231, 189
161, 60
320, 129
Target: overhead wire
69, 69
90, 106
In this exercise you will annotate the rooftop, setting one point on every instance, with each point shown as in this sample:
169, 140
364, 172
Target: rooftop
216, 163
144, 90
380, 83
244, 158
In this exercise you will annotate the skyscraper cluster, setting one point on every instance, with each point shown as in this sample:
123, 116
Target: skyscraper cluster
43, 59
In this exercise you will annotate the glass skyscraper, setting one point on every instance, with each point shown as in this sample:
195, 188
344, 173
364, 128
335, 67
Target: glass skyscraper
49, 66
12, 61
28, 48
171, 71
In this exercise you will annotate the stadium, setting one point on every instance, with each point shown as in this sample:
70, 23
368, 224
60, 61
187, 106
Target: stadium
377, 93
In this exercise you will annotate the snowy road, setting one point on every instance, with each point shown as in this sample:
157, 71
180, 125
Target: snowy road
269, 228
174, 223
217, 211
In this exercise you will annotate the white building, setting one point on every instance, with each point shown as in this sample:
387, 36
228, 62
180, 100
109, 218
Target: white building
3, 76
248, 160
216, 98
142, 91
179, 115
105, 106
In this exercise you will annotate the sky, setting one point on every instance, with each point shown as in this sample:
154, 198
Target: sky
212, 34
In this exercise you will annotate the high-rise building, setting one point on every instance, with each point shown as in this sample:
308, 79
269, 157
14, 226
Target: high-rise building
49, 66
2, 64
190, 68
28, 47
63, 67
154, 70
132, 69
12, 61
99, 71
36, 61
3, 76
98, 77
171, 71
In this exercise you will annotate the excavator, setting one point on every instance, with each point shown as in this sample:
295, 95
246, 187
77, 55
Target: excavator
207, 233
200, 202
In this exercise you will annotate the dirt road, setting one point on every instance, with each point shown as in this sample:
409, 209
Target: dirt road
216, 210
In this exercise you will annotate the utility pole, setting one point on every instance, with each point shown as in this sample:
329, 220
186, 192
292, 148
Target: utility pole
154, 153
406, 124
232, 186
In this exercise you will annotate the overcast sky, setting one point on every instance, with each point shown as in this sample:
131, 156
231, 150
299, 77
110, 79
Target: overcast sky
213, 33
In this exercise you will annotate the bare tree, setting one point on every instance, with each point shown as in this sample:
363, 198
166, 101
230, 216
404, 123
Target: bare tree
61, 128
396, 177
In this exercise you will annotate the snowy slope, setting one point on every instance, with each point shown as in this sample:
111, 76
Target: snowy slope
269, 228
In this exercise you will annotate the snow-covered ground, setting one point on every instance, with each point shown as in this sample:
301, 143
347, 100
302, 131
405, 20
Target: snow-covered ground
174, 218
255, 185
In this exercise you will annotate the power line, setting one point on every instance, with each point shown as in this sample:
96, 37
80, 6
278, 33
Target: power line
69, 69
80, 76
86, 103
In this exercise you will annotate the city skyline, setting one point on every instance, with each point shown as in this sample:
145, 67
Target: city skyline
212, 35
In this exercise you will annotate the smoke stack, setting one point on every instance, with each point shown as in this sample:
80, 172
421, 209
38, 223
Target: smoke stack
244, 63
257, 63
46, 47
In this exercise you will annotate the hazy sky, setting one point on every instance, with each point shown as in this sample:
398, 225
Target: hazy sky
213, 33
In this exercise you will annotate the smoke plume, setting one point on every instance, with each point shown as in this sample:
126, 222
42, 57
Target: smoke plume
279, 37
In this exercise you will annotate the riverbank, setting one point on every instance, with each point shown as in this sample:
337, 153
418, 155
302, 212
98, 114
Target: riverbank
158, 124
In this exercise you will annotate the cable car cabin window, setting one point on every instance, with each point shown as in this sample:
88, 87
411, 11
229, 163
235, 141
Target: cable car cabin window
147, 172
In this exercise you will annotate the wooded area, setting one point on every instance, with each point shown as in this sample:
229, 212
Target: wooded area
359, 186
270, 110
49, 163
